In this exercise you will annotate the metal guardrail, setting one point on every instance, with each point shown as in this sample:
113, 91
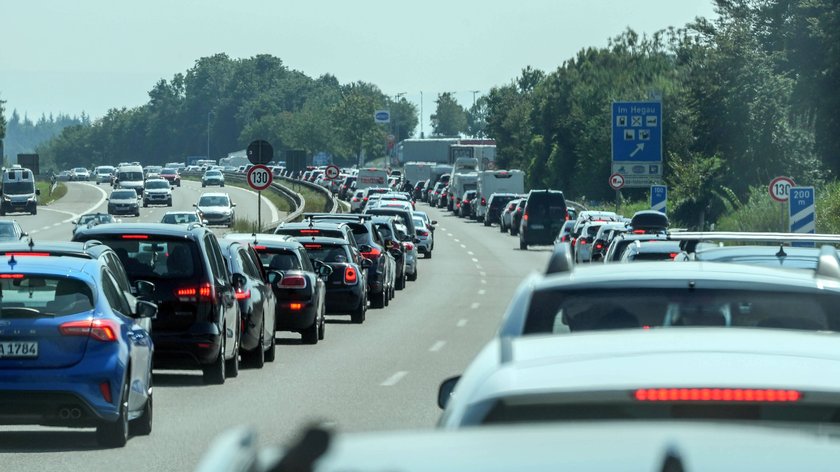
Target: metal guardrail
332, 206
577, 206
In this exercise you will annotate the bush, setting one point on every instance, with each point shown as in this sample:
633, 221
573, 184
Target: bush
760, 213
828, 208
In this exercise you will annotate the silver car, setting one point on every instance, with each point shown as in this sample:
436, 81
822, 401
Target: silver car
425, 236
216, 209
410, 251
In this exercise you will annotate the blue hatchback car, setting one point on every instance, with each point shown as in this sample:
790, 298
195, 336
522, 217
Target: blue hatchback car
71, 352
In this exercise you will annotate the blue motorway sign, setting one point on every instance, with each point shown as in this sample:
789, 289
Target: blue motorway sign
802, 211
637, 142
659, 198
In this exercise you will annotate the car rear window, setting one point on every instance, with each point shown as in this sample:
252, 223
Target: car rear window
162, 259
558, 311
42, 296
546, 205
327, 252
157, 184
278, 259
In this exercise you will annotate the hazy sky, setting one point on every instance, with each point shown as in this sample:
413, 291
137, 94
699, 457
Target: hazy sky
92, 55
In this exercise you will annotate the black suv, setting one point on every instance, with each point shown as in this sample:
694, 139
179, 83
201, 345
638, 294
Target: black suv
198, 320
543, 217
496, 205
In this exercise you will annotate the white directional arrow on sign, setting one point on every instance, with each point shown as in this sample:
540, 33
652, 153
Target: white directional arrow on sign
639, 147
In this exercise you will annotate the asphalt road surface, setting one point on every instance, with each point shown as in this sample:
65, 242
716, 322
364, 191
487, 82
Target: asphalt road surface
383, 374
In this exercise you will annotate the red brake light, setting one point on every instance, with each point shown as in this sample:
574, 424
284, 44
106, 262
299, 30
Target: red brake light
409, 246
672, 255
350, 275
101, 330
753, 395
260, 248
242, 295
372, 254
135, 236
355, 199
30, 254
292, 281
638, 231
582, 241
105, 390
483, 201
312, 246
525, 217
11, 276
190, 293
310, 231
599, 246
295, 306
420, 232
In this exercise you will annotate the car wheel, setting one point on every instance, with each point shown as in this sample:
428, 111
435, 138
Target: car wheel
142, 426
222, 185
179, 183
323, 329
169, 202
378, 301
386, 295
310, 334
429, 254
35, 211
401, 282
145, 204
523, 246
358, 315
258, 355
137, 213
271, 352
115, 434
203, 185
502, 228
413, 276
486, 221
232, 366
214, 374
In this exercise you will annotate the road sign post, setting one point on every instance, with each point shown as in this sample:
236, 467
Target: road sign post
259, 178
617, 183
779, 189
637, 142
659, 198
802, 212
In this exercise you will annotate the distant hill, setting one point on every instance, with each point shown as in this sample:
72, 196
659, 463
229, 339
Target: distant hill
24, 136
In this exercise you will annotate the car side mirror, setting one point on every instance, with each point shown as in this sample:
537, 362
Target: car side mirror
75, 222
144, 288
238, 281
445, 390
366, 263
233, 204
274, 277
324, 270
434, 222
145, 309
195, 205
108, 199
416, 240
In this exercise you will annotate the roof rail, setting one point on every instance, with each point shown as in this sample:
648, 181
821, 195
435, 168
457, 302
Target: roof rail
193, 225
827, 264
90, 243
561, 259
691, 238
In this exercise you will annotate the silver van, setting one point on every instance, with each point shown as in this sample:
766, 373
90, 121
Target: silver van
131, 177
19, 194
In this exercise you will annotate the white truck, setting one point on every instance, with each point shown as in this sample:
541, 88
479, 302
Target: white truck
19, 194
425, 150
458, 184
497, 181
416, 171
371, 177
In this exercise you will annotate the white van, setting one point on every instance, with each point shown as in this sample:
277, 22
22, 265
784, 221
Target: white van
19, 194
130, 177
497, 181
371, 177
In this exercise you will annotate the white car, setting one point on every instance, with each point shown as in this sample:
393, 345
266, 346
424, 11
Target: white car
103, 174
80, 174
357, 201
425, 237
157, 192
216, 209
773, 376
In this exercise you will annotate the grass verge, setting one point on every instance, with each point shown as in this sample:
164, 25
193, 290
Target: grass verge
46, 197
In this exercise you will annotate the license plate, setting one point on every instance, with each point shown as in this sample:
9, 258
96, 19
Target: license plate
537, 227
18, 349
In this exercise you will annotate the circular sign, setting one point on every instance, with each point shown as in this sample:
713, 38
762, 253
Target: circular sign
616, 181
331, 172
780, 188
259, 177
260, 152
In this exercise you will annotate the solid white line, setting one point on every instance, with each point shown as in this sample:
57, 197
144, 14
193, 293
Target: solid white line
462, 322
56, 224
394, 379
437, 346
87, 210
273, 209
475, 305
482, 292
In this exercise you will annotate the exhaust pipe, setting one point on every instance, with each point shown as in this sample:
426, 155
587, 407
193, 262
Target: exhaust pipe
64, 413
75, 414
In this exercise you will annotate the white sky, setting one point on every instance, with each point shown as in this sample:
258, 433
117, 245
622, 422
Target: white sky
92, 55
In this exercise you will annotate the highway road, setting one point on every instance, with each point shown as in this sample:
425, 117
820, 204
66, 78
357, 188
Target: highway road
383, 374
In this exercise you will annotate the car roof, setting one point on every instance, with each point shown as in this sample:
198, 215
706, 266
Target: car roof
88, 250
620, 445
651, 247
622, 359
65, 266
215, 194
161, 229
264, 239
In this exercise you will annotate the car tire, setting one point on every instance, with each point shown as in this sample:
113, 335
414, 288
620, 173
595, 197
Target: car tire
214, 374
137, 213
35, 211
145, 204
178, 184
523, 246
271, 352
429, 254
203, 185
310, 334
378, 301
232, 364
486, 221
413, 276
222, 185
401, 282
115, 434
142, 426
502, 228
358, 315
323, 330
169, 202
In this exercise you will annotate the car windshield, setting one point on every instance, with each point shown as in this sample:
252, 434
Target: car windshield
156, 184
559, 311
214, 200
130, 176
179, 218
213, 173
7, 230
323, 232
167, 171
42, 296
18, 188
123, 195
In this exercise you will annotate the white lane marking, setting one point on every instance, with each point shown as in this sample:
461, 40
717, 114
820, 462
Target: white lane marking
464, 246
442, 228
474, 259
470, 253
56, 224
449, 234
483, 274
437, 346
457, 240
475, 306
484, 281
482, 292
87, 210
478, 267
45, 228
462, 322
394, 379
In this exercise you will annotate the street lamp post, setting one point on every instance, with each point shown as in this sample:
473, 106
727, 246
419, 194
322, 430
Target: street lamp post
208, 133
396, 122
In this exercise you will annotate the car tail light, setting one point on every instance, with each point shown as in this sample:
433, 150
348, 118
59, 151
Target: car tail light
312, 246
295, 306
420, 232
409, 246
355, 199
672, 255
260, 248
483, 201
292, 281
582, 241
101, 330
350, 275
752, 395
105, 390
242, 294
599, 246
574, 241
135, 236
27, 253
638, 231
372, 254
204, 292
365, 199
11, 276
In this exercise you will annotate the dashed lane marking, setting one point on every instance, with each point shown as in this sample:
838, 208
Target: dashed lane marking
482, 292
474, 259
470, 253
475, 305
394, 379
483, 274
462, 322
437, 346
484, 281
464, 246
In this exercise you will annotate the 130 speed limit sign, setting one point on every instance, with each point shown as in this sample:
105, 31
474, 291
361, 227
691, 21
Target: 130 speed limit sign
259, 177
780, 188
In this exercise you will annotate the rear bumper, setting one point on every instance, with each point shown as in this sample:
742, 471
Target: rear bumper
191, 349
538, 236
288, 319
123, 211
344, 299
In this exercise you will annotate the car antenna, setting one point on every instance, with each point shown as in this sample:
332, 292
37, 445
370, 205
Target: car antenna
31, 243
672, 461
781, 252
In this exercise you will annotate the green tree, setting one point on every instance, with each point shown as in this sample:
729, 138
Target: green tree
449, 118
2, 120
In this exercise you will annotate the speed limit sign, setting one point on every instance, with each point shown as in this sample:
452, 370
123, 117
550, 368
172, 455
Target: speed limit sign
259, 177
780, 188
